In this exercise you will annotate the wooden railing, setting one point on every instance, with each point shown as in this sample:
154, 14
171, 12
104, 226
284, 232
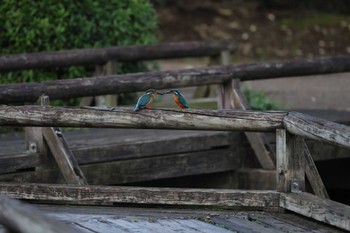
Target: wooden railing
292, 163
112, 84
119, 53
293, 160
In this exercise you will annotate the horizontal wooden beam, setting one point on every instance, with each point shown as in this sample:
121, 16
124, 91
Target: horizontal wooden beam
318, 129
221, 120
141, 195
23, 218
79, 87
327, 211
120, 53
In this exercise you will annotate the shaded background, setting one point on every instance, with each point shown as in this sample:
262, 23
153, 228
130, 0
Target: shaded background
267, 30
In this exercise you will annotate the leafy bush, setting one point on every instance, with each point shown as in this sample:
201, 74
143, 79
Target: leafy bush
258, 101
49, 25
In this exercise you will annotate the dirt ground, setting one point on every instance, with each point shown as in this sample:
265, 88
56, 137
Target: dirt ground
264, 34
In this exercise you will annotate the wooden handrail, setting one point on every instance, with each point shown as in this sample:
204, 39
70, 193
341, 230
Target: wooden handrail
224, 120
113, 84
318, 129
120, 53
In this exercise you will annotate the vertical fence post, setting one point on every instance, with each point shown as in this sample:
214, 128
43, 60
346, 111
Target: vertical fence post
223, 58
34, 139
289, 168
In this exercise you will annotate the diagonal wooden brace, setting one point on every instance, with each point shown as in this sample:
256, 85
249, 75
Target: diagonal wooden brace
231, 97
63, 156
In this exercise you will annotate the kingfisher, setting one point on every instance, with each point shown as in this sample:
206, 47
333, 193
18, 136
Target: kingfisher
179, 99
146, 100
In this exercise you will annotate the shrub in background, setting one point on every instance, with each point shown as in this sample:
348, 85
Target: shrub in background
49, 25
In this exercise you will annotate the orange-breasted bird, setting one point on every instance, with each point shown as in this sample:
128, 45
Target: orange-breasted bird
146, 100
179, 99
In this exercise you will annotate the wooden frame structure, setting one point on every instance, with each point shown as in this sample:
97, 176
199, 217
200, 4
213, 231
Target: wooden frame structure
293, 160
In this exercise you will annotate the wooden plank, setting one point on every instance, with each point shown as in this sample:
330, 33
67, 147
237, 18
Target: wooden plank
289, 150
17, 162
327, 211
114, 84
286, 222
256, 178
230, 97
141, 195
136, 170
312, 174
121, 53
64, 157
126, 118
23, 218
242, 225
104, 145
195, 163
318, 129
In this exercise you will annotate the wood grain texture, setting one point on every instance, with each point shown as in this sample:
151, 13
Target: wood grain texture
23, 218
230, 97
120, 53
126, 118
318, 129
232, 220
104, 145
311, 206
312, 174
64, 157
80, 87
144, 169
289, 153
140, 195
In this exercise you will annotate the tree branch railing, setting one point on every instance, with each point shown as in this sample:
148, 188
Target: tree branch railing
225, 120
113, 84
120, 53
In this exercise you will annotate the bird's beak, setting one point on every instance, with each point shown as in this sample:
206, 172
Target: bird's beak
163, 93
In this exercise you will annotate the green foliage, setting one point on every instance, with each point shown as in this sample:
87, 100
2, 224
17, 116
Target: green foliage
49, 25
258, 101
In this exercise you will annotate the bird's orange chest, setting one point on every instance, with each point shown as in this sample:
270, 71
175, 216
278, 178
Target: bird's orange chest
176, 99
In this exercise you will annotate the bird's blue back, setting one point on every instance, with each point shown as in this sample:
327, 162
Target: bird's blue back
143, 100
182, 100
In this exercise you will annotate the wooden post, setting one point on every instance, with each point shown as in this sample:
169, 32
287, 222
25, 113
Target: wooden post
209, 90
109, 68
33, 135
63, 156
289, 151
231, 97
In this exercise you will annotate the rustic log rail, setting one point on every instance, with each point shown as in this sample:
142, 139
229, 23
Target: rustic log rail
119, 53
308, 205
225, 120
113, 84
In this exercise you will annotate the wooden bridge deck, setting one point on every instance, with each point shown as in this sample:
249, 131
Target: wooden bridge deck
125, 219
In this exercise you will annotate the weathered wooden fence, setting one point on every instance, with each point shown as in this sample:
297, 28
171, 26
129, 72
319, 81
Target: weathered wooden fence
293, 160
118, 53
112, 84
290, 155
